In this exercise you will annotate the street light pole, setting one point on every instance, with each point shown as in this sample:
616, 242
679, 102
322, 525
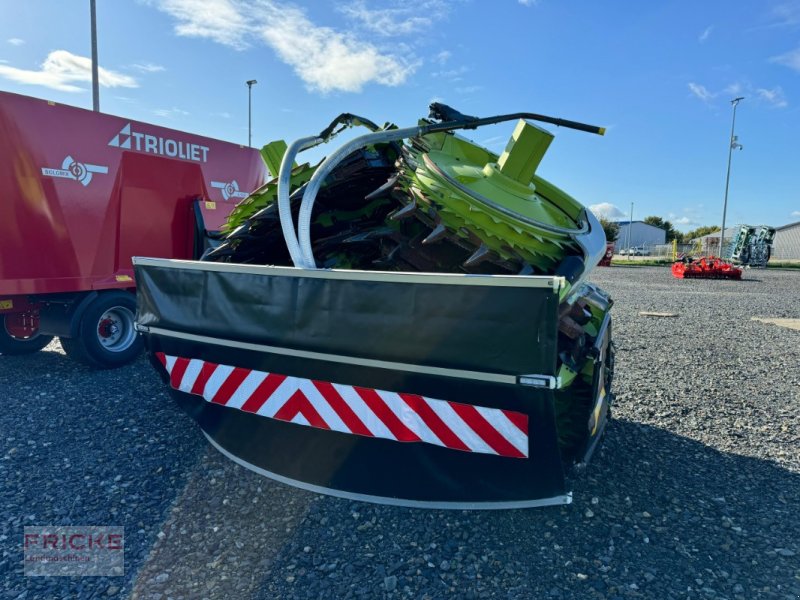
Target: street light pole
95, 78
250, 85
734, 144
630, 226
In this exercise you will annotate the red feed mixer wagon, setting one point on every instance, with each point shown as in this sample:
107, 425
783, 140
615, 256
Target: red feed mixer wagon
80, 194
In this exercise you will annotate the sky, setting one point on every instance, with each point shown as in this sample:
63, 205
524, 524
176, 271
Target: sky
658, 75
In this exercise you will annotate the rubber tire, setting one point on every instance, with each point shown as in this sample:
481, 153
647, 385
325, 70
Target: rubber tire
11, 346
87, 349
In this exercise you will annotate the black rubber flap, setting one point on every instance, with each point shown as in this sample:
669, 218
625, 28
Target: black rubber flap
484, 329
372, 467
487, 328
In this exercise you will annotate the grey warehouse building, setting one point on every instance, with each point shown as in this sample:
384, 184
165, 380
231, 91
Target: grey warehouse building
786, 245
641, 234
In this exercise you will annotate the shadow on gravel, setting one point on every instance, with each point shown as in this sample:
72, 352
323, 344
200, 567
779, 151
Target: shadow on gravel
687, 520
86, 447
656, 516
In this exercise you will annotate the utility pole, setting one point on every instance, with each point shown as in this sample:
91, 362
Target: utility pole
250, 85
733, 145
95, 69
630, 226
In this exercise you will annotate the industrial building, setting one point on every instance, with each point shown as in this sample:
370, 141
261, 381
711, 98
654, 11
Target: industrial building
787, 242
641, 234
709, 243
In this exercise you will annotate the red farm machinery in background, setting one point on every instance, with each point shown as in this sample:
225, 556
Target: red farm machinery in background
706, 267
606, 260
83, 192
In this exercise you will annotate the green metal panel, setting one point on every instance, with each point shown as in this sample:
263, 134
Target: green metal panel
524, 151
272, 154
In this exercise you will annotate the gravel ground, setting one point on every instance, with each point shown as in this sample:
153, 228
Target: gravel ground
695, 493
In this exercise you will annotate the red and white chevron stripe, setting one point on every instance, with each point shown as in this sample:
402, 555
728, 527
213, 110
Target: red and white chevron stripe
352, 409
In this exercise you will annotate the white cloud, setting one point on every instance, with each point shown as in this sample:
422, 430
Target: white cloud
796, 213
403, 19
468, 89
450, 74
148, 67
734, 89
774, 97
3, 61
324, 58
607, 211
170, 112
706, 32
443, 56
15, 41
790, 59
61, 70
684, 221
700, 91
528, 2
222, 21
786, 14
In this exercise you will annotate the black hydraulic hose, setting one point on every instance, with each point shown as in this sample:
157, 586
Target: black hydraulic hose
346, 120
452, 119
449, 119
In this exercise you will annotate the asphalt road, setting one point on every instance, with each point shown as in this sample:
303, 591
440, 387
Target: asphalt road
695, 494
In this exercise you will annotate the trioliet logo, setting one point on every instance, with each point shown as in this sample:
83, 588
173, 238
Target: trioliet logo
128, 139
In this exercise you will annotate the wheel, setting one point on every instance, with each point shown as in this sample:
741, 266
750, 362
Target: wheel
106, 335
19, 333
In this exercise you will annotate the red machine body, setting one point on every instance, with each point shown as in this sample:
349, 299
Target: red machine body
606, 260
705, 268
82, 192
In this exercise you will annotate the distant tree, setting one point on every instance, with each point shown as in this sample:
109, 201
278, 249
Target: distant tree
700, 232
672, 233
610, 228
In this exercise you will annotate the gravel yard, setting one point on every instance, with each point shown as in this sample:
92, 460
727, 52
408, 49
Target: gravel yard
695, 494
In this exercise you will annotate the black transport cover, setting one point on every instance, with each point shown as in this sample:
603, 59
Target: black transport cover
463, 340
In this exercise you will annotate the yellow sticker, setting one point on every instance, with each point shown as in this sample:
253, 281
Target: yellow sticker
595, 420
6, 304
211, 205
124, 278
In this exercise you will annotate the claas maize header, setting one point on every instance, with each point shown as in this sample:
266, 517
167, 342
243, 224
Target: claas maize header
408, 322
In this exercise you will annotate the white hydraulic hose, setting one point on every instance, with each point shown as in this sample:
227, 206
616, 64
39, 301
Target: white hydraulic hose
284, 203
330, 163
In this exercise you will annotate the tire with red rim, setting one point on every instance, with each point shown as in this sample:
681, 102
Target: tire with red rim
19, 333
106, 336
